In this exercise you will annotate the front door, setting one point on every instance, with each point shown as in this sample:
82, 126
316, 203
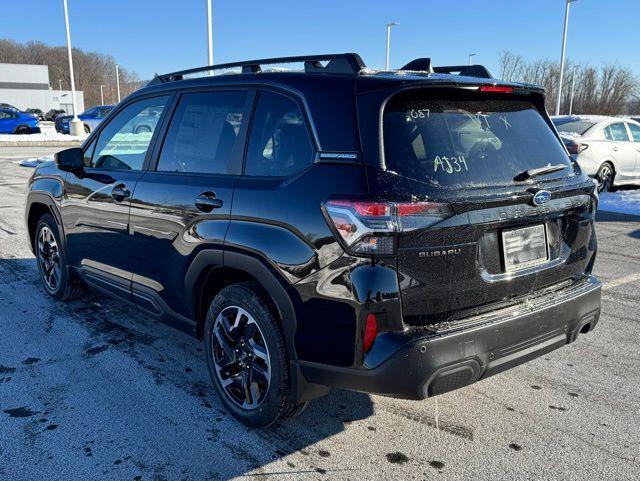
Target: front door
183, 205
95, 209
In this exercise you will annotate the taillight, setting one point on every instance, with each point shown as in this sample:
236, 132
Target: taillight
370, 332
504, 89
576, 147
368, 227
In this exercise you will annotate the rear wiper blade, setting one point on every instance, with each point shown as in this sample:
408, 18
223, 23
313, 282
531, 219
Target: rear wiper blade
547, 169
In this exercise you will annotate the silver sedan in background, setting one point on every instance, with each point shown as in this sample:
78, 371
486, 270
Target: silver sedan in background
607, 148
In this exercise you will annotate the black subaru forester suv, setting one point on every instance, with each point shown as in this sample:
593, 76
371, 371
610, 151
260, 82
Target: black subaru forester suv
404, 233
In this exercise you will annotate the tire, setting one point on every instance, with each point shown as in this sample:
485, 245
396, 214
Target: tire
141, 129
87, 130
250, 366
22, 130
605, 176
51, 260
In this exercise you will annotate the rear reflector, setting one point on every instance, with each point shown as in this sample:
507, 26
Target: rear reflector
370, 332
496, 88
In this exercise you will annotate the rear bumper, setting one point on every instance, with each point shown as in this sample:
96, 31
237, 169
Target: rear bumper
416, 366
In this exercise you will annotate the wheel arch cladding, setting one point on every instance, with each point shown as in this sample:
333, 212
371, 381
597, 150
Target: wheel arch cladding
208, 274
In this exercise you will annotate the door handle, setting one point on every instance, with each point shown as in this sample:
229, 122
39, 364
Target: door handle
207, 201
120, 192
615, 148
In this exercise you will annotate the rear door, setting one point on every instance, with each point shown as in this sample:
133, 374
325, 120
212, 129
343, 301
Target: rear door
95, 209
634, 131
622, 150
484, 237
183, 204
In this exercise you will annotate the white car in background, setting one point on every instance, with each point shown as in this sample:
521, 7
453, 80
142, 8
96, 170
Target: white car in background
607, 148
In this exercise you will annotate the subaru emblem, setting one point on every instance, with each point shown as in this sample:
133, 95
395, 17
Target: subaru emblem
541, 197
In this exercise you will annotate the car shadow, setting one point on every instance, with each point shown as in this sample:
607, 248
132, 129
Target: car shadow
604, 216
143, 393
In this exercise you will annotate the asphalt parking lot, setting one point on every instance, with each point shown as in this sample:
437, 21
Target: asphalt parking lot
94, 390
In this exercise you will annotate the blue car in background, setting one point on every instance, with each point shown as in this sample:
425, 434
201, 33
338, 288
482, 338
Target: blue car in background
91, 118
16, 122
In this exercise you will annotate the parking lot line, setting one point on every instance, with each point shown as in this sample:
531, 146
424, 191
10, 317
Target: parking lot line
622, 280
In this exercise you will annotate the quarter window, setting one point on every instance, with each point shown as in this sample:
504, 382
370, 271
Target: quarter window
124, 142
635, 132
203, 133
279, 144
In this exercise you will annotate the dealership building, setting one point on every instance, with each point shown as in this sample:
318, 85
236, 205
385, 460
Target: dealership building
28, 87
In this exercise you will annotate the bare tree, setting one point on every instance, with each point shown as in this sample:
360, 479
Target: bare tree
606, 91
92, 69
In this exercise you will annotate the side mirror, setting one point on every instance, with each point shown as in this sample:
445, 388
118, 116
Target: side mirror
70, 160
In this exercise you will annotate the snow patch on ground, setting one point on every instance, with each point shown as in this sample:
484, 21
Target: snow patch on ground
622, 202
47, 133
34, 162
43, 136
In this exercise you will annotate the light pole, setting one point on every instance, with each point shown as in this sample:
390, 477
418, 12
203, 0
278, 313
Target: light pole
564, 44
389, 25
209, 34
471, 55
118, 82
101, 95
75, 126
573, 89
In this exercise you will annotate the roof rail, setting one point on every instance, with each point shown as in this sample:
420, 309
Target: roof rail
424, 65
340, 63
420, 65
465, 70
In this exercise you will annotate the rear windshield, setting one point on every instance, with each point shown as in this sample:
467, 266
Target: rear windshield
468, 142
573, 126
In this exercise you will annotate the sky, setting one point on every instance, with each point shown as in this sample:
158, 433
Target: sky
149, 36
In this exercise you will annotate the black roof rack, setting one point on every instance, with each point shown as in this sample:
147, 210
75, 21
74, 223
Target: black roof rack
424, 64
337, 63
340, 63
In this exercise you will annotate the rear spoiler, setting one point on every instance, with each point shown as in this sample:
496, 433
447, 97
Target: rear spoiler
424, 65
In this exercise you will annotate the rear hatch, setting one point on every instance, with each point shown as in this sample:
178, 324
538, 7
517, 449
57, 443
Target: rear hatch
515, 216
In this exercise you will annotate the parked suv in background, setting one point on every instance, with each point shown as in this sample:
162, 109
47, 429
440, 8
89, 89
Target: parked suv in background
36, 112
404, 233
51, 115
607, 148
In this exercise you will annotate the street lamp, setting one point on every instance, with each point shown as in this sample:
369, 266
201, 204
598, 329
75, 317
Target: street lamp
101, 95
75, 126
389, 25
471, 55
573, 89
564, 44
118, 82
209, 34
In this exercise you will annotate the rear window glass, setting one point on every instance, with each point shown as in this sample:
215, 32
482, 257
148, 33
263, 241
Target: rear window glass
569, 126
473, 143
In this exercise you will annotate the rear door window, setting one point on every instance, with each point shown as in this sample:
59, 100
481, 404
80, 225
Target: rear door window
279, 144
618, 132
467, 142
203, 133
